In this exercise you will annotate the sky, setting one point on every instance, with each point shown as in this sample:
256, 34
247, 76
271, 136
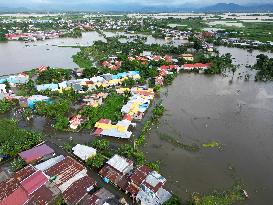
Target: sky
30, 3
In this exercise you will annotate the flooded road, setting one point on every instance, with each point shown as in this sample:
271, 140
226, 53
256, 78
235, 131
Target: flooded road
204, 108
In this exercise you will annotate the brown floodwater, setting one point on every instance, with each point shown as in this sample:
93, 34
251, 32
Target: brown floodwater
238, 114
200, 108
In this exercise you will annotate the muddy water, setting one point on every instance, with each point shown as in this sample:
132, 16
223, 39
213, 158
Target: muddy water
16, 56
239, 115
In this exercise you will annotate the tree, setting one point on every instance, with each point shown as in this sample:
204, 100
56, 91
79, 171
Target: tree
100, 144
96, 161
174, 200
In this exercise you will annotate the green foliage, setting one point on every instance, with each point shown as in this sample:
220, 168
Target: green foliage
14, 139
228, 197
220, 64
75, 33
69, 145
100, 144
61, 123
154, 165
264, 67
17, 164
27, 113
157, 88
90, 72
5, 106
27, 89
52, 110
110, 109
82, 59
158, 112
128, 151
96, 161
53, 76
7, 85
130, 82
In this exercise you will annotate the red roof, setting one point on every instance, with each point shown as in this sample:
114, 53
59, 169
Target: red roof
18, 197
98, 131
36, 153
197, 65
42, 196
127, 117
140, 174
34, 182
8, 187
77, 190
105, 121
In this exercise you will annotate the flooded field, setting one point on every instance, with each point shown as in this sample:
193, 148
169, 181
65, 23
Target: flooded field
19, 56
238, 115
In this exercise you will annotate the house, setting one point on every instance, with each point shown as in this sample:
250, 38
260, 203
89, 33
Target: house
37, 153
51, 86
100, 197
34, 182
120, 130
152, 191
187, 57
49, 163
32, 100
18, 79
42, 68
116, 168
78, 190
46, 194
12, 193
75, 121
84, 152
136, 179
66, 172
199, 66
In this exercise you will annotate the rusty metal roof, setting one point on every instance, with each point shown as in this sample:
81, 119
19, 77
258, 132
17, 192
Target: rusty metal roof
78, 190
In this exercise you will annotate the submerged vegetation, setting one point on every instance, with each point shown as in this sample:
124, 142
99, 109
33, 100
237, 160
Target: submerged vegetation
227, 197
177, 143
264, 67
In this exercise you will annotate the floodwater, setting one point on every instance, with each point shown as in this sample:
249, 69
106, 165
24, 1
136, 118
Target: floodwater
200, 109
204, 108
16, 56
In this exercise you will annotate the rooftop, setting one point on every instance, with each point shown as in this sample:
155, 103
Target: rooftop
36, 153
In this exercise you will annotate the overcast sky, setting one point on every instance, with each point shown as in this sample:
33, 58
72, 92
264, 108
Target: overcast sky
139, 2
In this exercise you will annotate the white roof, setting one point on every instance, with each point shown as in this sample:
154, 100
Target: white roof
154, 178
49, 163
83, 151
119, 163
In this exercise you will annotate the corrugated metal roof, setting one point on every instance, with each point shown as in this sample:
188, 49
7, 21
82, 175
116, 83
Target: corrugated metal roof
24, 173
49, 163
83, 151
78, 190
34, 182
36, 153
120, 163
65, 170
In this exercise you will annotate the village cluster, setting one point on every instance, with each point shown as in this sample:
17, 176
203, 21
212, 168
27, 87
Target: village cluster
49, 176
